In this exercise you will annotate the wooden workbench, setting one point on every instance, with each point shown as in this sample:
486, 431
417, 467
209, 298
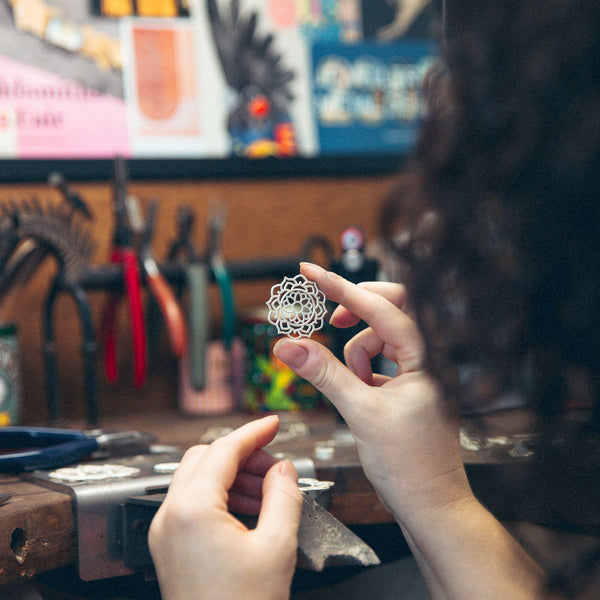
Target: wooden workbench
37, 526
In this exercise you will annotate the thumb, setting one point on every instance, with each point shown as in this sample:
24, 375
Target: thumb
281, 504
319, 366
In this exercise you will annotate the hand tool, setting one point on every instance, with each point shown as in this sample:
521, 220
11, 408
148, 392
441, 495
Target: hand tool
26, 256
32, 448
197, 281
323, 541
71, 198
222, 383
113, 516
196, 274
18, 257
123, 253
183, 246
216, 224
171, 311
55, 232
8, 236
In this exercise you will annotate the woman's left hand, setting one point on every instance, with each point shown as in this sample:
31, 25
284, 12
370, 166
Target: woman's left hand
200, 549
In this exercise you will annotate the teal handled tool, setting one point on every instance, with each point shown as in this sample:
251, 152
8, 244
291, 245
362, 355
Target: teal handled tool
216, 224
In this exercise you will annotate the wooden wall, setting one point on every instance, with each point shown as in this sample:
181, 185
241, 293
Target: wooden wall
264, 218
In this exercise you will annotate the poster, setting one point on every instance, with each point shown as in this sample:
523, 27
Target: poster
256, 67
367, 98
60, 82
161, 88
191, 79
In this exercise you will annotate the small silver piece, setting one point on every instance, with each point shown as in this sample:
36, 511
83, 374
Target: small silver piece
291, 431
214, 433
324, 451
168, 467
92, 472
296, 307
308, 484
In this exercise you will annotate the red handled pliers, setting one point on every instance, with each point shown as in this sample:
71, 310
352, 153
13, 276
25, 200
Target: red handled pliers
124, 254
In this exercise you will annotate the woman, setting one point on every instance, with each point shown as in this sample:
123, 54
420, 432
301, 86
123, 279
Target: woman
497, 225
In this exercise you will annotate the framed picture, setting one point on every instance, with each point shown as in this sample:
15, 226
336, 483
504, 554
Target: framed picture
211, 88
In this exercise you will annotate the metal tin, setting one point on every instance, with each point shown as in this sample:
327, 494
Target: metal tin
10, 375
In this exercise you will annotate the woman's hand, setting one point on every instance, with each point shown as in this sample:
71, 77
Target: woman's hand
408, 440
200, 550
407, 435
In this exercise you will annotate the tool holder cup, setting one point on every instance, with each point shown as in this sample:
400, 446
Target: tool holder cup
222, 390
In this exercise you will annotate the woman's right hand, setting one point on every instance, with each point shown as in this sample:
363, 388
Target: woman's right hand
200, 549
407, 435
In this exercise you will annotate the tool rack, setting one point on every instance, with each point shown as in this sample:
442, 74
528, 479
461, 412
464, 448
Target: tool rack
60, 231
108, 278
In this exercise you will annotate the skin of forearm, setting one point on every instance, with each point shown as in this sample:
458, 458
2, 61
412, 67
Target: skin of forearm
464, 553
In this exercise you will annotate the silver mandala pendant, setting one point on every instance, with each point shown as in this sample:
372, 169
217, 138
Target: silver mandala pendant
296, 307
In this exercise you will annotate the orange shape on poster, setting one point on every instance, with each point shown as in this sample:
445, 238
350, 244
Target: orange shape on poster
283, 12
157, 83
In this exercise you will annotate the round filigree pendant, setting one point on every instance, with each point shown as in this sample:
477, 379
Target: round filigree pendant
296, 307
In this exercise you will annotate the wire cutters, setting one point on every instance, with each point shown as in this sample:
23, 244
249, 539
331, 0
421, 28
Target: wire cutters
124, 254
31, 448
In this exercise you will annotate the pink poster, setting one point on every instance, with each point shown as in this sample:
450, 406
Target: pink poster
46, 116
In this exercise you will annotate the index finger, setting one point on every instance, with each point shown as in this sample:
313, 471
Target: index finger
384, 317
394, 292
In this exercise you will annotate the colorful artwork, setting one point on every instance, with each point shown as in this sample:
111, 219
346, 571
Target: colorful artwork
330, 20
212, 78
255, 62
270, 384
367, 98
161, 87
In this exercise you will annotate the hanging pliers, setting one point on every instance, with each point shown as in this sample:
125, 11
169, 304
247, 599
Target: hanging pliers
159, 287
123, 253
195, 268
216, 225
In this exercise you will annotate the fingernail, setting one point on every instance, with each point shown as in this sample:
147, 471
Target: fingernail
287, 469
292, 354
333, 316
308, 266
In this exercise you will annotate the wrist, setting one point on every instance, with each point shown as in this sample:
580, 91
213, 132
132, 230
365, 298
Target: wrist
437, 497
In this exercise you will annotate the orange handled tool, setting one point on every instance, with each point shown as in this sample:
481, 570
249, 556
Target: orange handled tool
161, 290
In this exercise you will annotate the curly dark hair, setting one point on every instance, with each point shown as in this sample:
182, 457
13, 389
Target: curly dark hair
497, 219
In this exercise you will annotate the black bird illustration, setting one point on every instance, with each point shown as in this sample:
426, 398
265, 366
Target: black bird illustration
259, 123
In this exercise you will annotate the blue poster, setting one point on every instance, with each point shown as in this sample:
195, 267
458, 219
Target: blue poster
367, 98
